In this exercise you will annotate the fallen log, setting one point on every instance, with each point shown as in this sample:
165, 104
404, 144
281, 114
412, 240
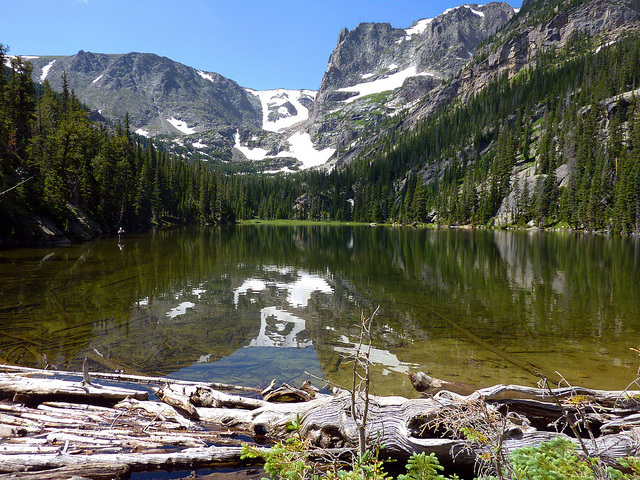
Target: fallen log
187, 458
36, 390
195, 425
622, 399
96, 471
121, 377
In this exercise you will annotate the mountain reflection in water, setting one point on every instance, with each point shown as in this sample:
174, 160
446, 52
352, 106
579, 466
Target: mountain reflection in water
248, 304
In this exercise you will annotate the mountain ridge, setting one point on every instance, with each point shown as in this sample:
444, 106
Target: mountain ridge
209, 114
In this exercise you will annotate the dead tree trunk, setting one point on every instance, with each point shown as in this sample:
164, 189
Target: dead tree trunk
54, 426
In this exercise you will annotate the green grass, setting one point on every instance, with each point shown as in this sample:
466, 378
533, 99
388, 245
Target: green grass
295, 223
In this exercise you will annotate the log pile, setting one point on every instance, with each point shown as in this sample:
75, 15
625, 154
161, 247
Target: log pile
56, 425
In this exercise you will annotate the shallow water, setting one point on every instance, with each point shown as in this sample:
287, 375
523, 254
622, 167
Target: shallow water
247, 304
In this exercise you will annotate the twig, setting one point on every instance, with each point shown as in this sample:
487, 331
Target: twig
18, 184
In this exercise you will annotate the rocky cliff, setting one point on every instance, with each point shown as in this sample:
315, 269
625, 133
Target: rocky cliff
377, 71
541, 25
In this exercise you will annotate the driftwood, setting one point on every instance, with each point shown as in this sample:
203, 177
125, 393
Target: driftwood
620, 399
22, 389
46, 430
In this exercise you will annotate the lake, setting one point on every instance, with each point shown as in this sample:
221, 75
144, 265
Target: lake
250, 303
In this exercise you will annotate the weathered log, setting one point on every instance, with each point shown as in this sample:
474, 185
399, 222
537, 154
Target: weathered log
205, 396
622, 399
288, 393
401, 426
188, 458
423, 383
97, 471
120, 377
180, 402
36, 390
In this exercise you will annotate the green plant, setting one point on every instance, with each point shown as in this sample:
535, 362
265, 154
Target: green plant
421, 466
632, 463
287, 460
559, 460
365, 467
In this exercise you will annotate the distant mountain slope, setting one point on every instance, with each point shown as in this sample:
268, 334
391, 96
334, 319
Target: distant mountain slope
375, 72
160, 95
541, 26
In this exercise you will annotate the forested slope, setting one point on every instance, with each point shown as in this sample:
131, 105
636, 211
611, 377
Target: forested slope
555, 144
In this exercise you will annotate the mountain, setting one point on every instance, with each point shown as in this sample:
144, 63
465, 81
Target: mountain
375, 72
541, 26
162, 97
483, 115
200, 111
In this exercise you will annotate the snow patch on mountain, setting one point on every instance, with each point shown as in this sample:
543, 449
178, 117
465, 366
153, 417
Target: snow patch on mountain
205, 75
8, 58
252, 153
97, 79
45, 71
181, 126
416, 29
301, 149
383, 84
143, 133
477, 12
470, 7
275, 114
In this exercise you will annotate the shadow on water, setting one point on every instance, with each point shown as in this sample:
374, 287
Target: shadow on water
246, 304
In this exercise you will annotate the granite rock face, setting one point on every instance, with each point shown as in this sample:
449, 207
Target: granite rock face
377, 71
160, 95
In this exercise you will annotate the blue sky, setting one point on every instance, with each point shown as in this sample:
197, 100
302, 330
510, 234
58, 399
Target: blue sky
261, 44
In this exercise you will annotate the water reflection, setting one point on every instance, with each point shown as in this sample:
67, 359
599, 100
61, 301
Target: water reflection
248, 304
280, 329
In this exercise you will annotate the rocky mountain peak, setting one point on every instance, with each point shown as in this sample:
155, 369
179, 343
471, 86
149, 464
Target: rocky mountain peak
377, 70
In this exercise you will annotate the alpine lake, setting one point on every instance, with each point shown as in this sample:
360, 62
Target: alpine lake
246, 304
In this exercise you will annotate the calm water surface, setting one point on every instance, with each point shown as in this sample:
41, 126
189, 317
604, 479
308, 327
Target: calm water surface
247, 304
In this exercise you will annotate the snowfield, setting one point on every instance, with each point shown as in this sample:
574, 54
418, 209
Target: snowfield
382, 85
199, 144
418, 28
272, 99
250, 153
205, 75
301, 148
142, 132
45, 71
301, 145
180, 125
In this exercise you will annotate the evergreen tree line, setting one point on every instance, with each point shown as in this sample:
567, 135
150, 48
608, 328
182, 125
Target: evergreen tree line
508, 142
555, 141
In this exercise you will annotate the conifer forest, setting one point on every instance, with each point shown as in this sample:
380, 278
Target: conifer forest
557, 145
